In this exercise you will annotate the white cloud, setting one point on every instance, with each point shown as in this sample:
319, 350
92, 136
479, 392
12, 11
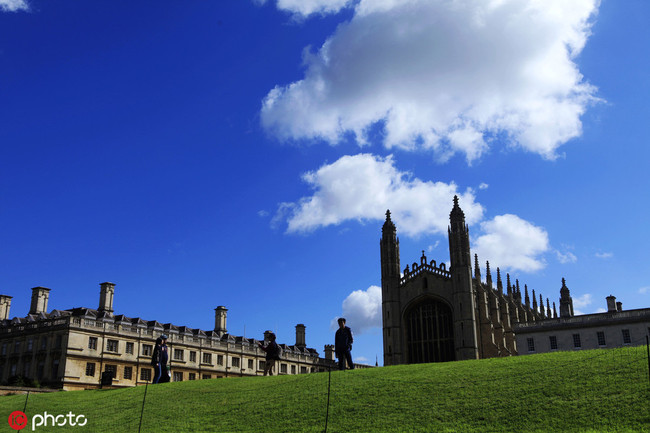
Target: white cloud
644, 290
13, 5
483, 186
581, 302
362, 310
604, 255
511, 242
304, 8
566, 256
442, 75
362, 187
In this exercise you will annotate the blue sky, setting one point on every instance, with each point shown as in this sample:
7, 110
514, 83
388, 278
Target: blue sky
243, 153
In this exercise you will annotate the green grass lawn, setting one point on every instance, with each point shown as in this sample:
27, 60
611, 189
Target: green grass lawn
584, 391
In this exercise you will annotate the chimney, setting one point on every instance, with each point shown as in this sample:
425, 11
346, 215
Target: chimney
619, 306
40, 296
106, 292
300, 336
220, 315
5, 304
611, 303
329, 352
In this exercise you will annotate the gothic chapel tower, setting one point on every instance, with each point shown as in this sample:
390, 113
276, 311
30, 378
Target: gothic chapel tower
463, 294
390, 305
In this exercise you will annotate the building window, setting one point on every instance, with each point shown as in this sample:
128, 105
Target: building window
111, 369
178, 376
55, 369
40, 370
111, 346
553, 340
178, 354
303, 370
59, 340
17, 347
147, 350
192, 376
531, 344
26, 367
429, 333
145, 374
90, 369
30, 344
43, 343
220, 359
207, 376
293, 369
3, 350
129, 348
128, 373
576, 341
262, 365
92, 343
192, 357
207, 358
235, 362
283, 368
601, 338
251, 364
626, 336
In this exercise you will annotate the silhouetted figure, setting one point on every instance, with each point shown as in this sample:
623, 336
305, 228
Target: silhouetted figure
343, 345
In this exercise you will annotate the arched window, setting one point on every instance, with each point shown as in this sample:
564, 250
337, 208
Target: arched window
429, 333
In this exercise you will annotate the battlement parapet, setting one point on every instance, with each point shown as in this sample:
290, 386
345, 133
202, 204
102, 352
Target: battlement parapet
417, 269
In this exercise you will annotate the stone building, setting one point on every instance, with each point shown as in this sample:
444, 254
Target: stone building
433, 314
614, 328
70, 349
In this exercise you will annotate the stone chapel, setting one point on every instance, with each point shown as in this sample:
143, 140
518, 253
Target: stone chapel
434, 314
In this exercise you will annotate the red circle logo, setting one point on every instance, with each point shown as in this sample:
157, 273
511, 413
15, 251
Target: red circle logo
17, 420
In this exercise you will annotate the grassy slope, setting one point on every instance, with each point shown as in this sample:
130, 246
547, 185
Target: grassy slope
599, 390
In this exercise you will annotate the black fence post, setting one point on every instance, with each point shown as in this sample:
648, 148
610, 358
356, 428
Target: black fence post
146, 386
647, 347
26, 398
329, 380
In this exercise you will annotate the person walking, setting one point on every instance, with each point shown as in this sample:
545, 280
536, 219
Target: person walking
159, 360
272, 354
343, 345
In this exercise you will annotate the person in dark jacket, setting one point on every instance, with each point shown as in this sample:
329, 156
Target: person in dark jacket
159, 360
272, 354
343, 345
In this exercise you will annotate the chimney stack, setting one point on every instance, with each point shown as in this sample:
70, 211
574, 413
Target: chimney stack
300, 336
220, 315
611, 304
619, 306
106, 293
329, 352
40, 296
5, 305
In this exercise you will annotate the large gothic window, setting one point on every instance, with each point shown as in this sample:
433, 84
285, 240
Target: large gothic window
429, 333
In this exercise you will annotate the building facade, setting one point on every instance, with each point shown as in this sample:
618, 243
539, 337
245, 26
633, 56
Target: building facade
433, 314
70, 349
614, 328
